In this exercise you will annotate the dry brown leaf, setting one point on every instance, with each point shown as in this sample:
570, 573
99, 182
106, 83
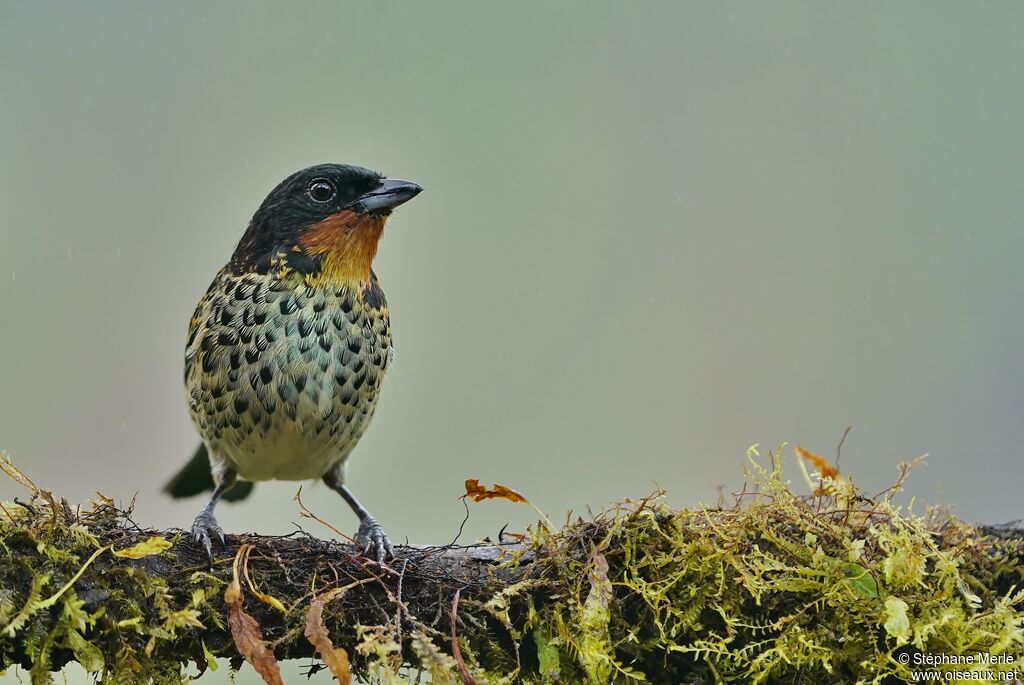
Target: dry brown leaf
826, 469
479, 493
336, 658
245, 631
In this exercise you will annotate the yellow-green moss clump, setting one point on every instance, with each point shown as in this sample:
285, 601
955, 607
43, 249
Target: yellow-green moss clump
783, 589
776, 588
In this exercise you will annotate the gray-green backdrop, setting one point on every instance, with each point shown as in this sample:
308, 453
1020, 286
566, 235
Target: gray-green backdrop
652, 235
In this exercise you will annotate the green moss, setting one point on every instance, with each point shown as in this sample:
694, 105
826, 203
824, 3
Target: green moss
779, 588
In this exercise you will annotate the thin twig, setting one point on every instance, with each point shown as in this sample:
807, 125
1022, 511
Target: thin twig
399, 607
460, 664
839, 448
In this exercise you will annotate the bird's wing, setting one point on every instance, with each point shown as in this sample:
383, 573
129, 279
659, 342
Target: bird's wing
198, 322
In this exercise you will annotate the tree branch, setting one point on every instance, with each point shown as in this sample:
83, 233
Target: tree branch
830, 587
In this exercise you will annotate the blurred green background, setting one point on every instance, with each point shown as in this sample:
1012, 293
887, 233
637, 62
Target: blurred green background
652, 234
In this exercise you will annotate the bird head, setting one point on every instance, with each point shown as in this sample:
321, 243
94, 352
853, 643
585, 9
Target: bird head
323, 222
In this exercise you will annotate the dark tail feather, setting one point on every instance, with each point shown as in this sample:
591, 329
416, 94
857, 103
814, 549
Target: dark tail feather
195, 479
239, 492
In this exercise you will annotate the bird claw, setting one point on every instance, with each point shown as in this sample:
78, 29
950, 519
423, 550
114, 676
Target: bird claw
204, 527
372, 539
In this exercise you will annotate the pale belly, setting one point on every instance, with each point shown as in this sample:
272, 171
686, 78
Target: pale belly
288, 450
298, 425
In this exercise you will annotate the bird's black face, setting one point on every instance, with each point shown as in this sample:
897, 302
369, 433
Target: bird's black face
311, 196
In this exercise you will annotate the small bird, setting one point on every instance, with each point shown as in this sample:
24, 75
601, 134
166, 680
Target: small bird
288, 348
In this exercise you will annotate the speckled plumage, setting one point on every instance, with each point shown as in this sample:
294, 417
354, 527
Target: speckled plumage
283, 377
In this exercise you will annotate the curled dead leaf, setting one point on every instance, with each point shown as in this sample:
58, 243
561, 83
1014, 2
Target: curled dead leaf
336, 658
478, 493
245, 631
826, 469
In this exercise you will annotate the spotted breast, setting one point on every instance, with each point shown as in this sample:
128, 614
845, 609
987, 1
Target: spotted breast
283, 376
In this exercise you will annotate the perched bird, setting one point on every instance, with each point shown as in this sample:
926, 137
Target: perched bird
288, 348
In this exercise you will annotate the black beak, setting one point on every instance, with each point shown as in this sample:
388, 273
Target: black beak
385, 197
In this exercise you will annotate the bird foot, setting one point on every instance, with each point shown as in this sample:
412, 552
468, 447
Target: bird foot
204, 528
374, 542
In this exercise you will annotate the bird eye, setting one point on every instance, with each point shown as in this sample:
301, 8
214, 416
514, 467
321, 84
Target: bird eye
321, 190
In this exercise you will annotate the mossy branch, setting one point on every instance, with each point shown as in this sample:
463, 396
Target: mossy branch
774, 588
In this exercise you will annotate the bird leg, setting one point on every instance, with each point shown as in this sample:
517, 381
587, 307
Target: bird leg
205, 524
371, 535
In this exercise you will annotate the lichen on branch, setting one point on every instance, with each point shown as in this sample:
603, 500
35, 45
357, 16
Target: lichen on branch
832, 587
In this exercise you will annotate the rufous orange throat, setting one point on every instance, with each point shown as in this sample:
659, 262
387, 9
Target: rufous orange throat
346, 243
